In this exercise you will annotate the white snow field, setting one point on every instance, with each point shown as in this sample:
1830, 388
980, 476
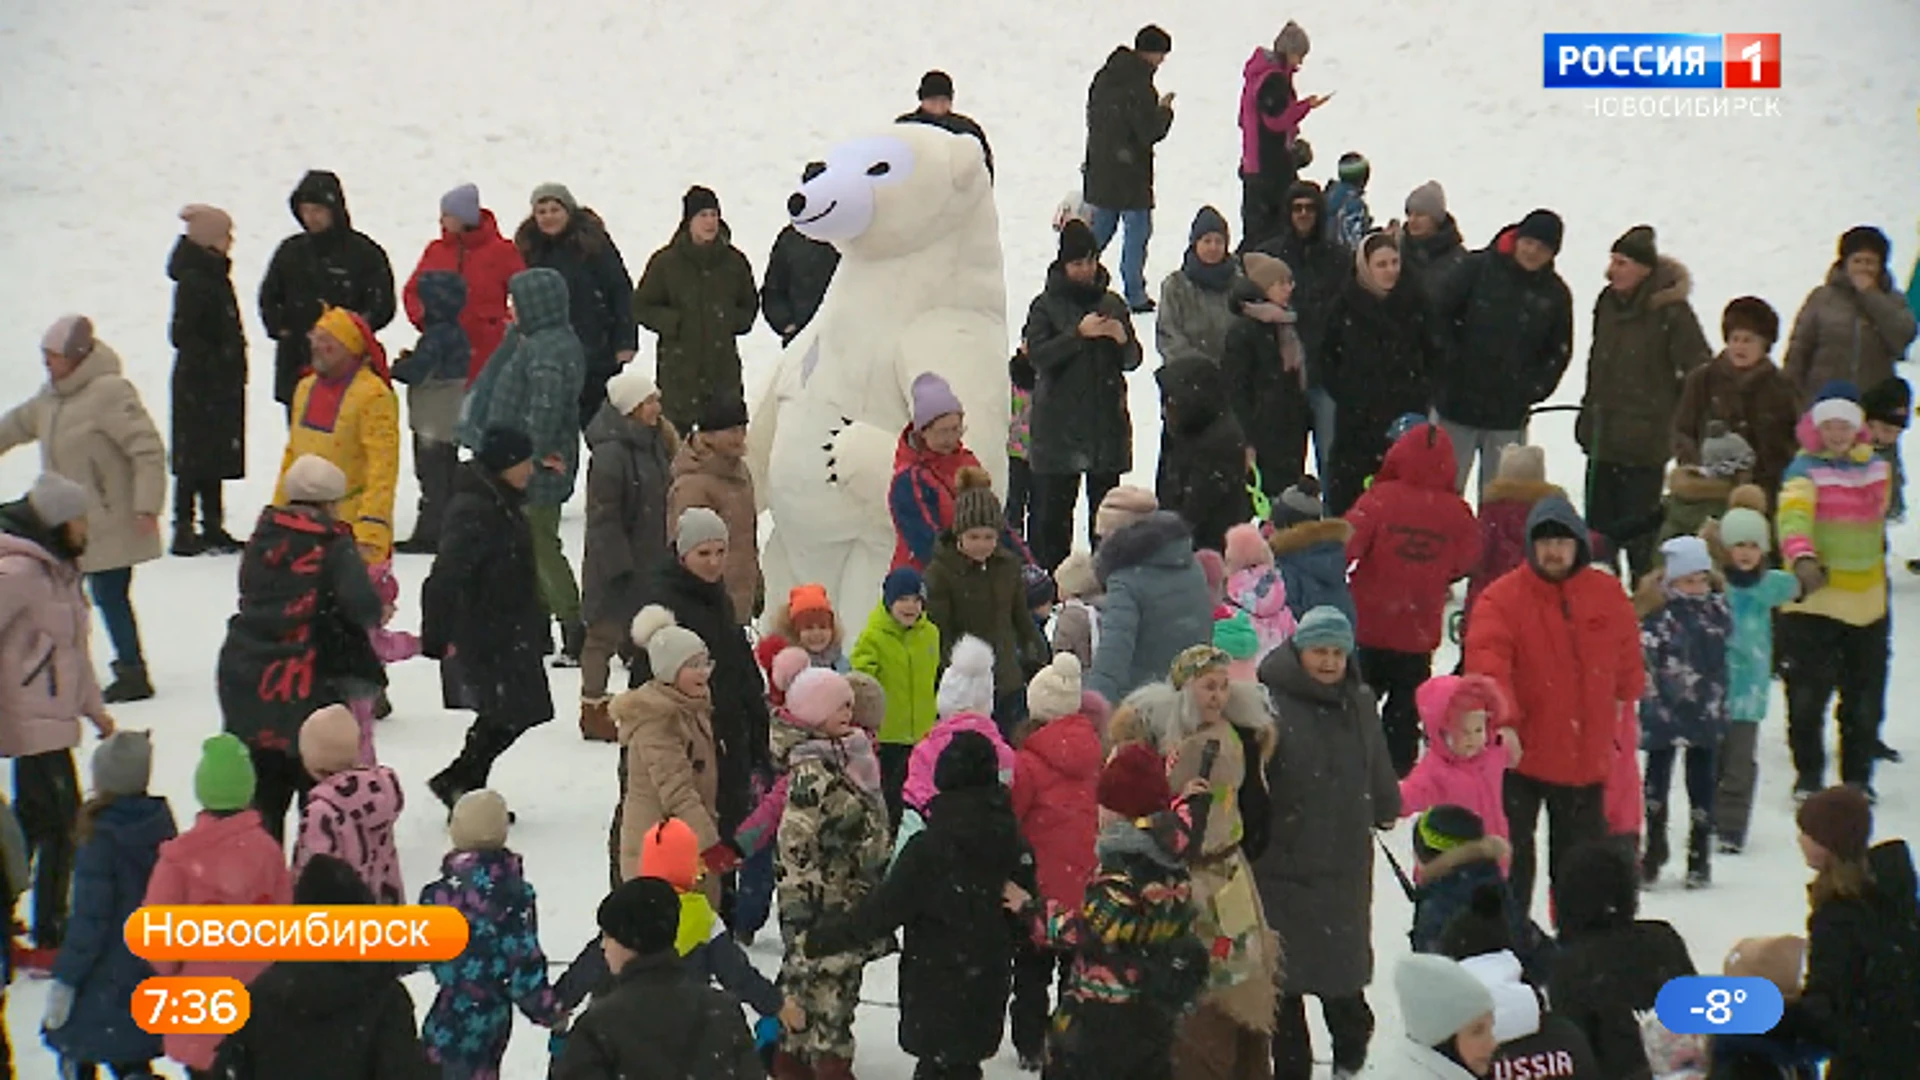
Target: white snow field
114, 113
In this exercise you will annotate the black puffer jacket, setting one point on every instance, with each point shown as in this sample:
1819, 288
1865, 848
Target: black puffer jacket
1509, 335
328, 1020
798, 273
1376, 361
1431, 259
1203, 473
658, 1022
209, 368
1079, 421
945, 890
339, 267
1124, 121
482, 600
1321, 268
599, 293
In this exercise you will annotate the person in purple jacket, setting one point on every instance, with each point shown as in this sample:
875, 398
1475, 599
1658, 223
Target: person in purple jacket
1271, 150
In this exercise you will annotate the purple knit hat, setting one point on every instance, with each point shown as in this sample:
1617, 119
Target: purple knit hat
932, 399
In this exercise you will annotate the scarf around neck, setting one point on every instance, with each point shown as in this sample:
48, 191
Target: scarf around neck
1213, 278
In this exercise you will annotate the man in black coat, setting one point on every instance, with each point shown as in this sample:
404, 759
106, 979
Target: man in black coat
1126, 117
327, 264
1321, 267
656, 1021
1508, 318
482, 616
936, 108
1080, 343
798, 273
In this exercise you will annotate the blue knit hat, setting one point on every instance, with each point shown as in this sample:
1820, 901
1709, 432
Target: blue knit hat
1324, 627
903, 582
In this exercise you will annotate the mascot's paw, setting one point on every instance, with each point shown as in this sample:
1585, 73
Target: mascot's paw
859, 456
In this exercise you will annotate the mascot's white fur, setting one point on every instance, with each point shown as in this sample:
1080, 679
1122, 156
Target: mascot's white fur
920, 287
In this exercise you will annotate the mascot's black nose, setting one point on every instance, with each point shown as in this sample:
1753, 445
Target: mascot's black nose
813, 169
796, 204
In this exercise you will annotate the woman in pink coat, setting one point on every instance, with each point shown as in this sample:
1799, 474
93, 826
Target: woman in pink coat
1470, 747
225, 858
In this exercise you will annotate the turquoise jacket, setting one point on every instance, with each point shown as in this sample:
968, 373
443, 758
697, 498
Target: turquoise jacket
1750, 651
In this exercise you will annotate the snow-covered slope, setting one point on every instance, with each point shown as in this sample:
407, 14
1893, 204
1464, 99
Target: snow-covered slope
114, 113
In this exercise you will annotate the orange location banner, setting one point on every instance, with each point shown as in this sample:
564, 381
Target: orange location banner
189, 1005
272, 932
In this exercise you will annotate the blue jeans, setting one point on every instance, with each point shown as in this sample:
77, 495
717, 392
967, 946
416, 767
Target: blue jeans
113, 594
753, 893
1133, 249
1322, 405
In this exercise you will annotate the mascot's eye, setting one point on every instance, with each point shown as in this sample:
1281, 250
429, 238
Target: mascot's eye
879, 169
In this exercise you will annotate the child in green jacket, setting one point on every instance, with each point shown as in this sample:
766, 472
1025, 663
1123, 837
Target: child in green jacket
900, 649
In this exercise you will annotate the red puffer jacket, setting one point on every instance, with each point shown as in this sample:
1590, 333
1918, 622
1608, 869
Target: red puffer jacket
1568, 654
1413, 537
1056, 796
486, 261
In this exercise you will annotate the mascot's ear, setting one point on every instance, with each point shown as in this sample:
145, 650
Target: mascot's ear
968, 162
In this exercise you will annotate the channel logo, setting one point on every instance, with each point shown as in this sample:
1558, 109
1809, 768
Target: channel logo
1662, 61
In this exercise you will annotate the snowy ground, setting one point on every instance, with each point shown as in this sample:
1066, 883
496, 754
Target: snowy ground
114, 113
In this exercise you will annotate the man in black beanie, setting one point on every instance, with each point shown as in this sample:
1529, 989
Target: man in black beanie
1126, 117
698, 295
656, 1021
936, 109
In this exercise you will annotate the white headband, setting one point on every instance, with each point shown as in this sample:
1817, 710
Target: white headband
1839, 409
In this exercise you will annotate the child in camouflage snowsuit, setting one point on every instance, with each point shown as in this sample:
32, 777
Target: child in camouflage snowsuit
833, 847
467, 1027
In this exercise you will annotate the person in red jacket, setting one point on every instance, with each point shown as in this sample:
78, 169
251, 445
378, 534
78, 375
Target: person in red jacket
1560, 636
1056, 797
1413, 537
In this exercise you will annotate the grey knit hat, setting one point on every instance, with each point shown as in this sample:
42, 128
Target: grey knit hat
1429, 199
558, 193
57, 500
123, 763
1438, 997
1292, 40
697, 525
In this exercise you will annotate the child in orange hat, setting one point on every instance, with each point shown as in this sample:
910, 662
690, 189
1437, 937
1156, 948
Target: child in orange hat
809, 622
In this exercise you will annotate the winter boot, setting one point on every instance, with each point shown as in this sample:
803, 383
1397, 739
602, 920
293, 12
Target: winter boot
1883, 752
1699, 850
832, 1068
129, 684
1655, 855
382, 706
595, 724
573, 638
788, 1067
186, 543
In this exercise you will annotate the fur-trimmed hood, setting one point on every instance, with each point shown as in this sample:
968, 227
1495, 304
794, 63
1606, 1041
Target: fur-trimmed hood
1161, 716
1161, 537
1688, 483
1298, 538
1486, 849
1670, 283
1521, 491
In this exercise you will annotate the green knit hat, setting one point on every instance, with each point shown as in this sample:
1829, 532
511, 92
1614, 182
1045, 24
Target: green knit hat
224, 778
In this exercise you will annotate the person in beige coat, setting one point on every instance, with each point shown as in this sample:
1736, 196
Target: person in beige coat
669, 763
710, 470
93, 429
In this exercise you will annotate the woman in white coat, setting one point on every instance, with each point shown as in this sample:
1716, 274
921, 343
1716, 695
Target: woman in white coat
1448, 1014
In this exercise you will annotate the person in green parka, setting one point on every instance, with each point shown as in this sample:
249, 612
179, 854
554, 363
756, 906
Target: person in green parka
900, 649
697, 295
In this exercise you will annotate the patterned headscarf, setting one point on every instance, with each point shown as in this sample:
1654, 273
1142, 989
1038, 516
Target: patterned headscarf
1195, 661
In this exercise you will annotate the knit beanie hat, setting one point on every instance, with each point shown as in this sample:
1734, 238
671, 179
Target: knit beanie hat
807, 606
1684, 555
671, 852
1291, 40
935, 84
1724, 453
1207, 222
1055, 690
1637, 244
933, 398
901, 583
1121, 507
501, 448
698, 200
224, 779
329, 881
329, 741
1544, 226
463, 203
1429, 199
1245, 547
557, 193
1839, 819
974, 504
1752, 314
723, 413
1743, 526
669, 645
1354, 168
786, 667
206, 225
123, 763
1075, 575
1484, 927
1299, 504
1264, 270
314, 479
816, 694
1323, 627
643, 914
1076, 242
1440, 829
1236, 637
630, 389
697, 525
1152, 39
969, 760
1838, 400
1133, 783
56, 500
1780, 960
1865, 238
1039, 585
1889, 401
1523, 464
869, 701
1195, 661
967, 684
1438, 997
70, 336
479, 821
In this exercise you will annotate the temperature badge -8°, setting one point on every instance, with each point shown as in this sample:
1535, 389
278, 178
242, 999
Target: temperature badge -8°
1719, 1005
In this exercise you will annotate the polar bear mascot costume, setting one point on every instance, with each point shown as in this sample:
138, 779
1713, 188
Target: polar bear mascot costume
920, 288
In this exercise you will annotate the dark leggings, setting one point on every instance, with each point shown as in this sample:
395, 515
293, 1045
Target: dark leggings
279, 779
46, 796
188, 491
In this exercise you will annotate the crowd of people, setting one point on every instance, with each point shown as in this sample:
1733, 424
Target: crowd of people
1121, 797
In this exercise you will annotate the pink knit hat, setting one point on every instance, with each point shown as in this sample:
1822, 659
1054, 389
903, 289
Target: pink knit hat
329, 741
787, 665
1245, 548
816, 694
206, 225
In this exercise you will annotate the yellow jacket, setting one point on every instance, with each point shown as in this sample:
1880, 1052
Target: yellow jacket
362, 438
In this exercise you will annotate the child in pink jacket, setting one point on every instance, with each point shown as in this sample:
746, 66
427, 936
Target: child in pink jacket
1255, 587
964, 702
225, 858
391, 646
351, 811
1470, 747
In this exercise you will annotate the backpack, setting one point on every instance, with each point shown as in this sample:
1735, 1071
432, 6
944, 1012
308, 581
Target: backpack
1174, 973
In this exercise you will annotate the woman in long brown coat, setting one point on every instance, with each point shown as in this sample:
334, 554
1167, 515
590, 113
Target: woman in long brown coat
1854, 327
1742, 389
710, 470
